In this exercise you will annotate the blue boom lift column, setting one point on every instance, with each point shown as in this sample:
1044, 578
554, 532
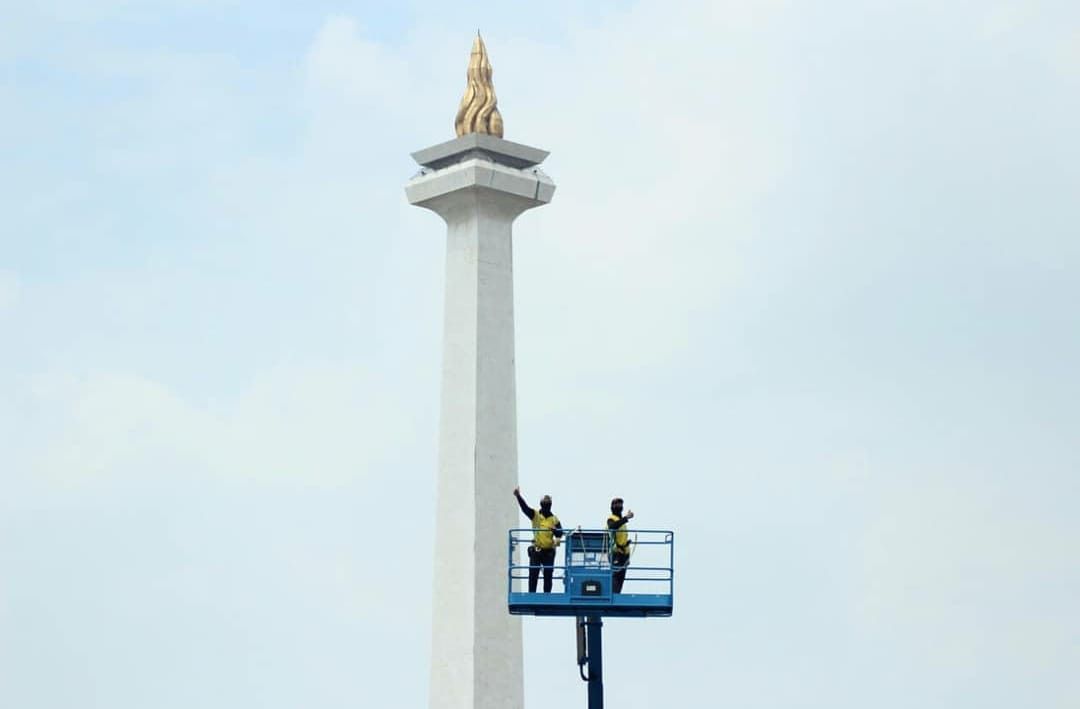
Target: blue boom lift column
590, 651
587, 592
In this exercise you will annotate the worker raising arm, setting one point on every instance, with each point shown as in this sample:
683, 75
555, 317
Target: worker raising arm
546, 530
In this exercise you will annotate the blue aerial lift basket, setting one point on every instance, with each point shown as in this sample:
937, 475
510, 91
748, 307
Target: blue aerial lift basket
586, 576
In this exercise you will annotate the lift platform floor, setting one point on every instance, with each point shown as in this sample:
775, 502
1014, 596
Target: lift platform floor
629, 605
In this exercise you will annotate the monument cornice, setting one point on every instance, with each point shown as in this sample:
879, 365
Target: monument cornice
479, 145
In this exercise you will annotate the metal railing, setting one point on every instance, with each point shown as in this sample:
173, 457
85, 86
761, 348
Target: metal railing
650, 569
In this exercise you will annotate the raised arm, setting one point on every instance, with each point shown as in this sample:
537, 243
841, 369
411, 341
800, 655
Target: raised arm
525, 509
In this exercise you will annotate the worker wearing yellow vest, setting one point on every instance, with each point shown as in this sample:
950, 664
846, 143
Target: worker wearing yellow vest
620, 543
547, 529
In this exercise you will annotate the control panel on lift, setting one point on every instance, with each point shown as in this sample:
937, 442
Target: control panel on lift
588, 569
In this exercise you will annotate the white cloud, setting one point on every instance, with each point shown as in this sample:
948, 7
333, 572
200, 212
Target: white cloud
342, 64
1004, 17
1067, 53
315, 423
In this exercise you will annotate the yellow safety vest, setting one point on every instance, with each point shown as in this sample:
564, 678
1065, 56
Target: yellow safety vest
542, 536
620, 541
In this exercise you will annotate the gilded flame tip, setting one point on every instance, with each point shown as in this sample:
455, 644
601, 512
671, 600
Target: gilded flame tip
478, 112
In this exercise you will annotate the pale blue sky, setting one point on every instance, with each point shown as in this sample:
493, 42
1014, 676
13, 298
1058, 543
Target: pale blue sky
807, 294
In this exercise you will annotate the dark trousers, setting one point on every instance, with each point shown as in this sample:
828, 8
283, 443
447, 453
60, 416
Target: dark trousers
538, 558
619, 561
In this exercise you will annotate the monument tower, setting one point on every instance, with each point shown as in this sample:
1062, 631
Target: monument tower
478, 183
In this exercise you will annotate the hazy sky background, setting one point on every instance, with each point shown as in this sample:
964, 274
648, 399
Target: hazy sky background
807, 293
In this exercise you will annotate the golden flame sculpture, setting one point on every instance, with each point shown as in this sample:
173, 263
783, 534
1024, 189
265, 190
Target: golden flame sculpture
478, 112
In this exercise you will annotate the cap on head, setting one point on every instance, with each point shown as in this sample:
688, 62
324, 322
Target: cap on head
546, 499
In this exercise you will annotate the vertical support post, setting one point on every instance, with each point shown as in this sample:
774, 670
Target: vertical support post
593, 628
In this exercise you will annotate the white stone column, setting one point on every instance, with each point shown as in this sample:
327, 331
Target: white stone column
478, 184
